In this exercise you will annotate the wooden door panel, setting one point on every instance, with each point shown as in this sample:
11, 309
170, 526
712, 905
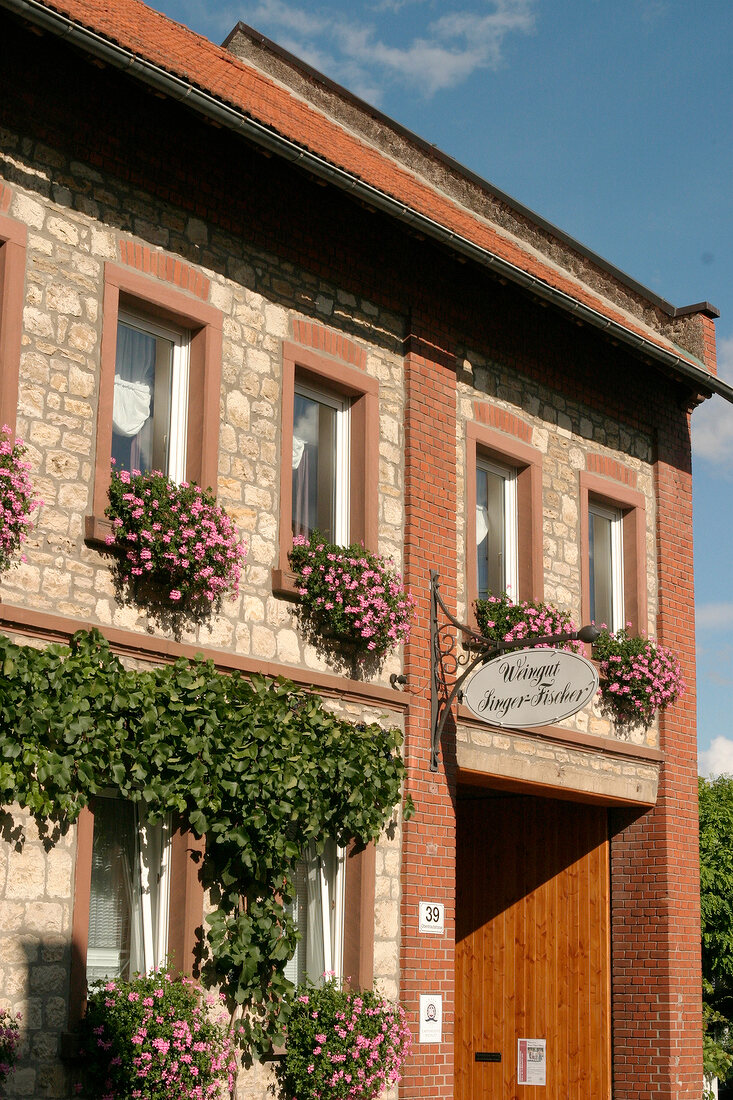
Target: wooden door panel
532, 946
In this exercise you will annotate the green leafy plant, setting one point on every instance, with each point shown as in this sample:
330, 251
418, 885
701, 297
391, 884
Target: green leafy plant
9, 1041
17, 498
716, 911
258, 766
717, 1042
501, 620
155, 1036
176, 537
638, 676
342, 1044
350, 595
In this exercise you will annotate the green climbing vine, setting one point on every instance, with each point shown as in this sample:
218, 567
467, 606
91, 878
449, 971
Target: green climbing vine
259, 767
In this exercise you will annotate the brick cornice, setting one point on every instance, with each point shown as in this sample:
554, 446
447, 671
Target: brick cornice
608, 467
168, 268
312, 335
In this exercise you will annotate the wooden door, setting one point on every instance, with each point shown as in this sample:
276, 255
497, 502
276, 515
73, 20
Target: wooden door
532, 946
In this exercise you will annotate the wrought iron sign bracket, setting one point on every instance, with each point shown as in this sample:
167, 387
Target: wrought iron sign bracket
451, 665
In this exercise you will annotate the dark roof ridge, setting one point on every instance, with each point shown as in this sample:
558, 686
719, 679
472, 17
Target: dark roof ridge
435, 153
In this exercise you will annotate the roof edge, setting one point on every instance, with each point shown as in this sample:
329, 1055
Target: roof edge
120, 57
481, 182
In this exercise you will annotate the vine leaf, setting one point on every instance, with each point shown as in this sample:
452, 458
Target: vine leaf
259, 767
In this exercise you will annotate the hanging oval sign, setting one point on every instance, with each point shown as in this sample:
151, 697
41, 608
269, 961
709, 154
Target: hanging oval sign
531, 687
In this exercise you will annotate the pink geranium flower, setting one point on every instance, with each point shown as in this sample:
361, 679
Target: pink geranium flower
638, 676
177, 536
17, 498
350, 595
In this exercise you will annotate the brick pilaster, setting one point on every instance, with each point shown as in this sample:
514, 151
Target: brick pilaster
655, 873
428, 861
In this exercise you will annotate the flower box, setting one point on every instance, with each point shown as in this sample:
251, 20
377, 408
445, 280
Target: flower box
174, 539
638, 677
342, 1043
501, 620
350, 596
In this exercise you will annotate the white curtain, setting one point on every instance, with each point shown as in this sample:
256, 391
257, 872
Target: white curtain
482, 523
316, 948
303, 456
132, 420
128, 904
317, 914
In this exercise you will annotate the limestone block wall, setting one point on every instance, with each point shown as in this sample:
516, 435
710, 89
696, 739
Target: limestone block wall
570, 438
70, 240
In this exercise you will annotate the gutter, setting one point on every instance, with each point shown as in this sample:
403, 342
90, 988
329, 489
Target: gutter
233, 119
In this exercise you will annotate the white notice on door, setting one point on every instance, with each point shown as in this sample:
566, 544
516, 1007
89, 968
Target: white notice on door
431, 1018
531, 1061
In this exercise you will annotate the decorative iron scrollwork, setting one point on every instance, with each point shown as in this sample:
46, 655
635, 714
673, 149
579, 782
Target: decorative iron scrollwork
452, 661
457, 649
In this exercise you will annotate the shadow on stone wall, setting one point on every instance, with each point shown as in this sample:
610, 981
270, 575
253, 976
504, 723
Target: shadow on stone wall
35, 954
36, 983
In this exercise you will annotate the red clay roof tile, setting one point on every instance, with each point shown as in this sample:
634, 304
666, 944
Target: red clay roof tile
181, 52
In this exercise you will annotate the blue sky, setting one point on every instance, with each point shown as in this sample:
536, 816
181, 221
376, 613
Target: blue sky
612, 120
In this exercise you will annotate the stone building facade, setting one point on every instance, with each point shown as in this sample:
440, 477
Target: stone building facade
462, 331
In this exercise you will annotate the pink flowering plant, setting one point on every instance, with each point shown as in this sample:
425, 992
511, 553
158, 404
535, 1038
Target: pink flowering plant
500, 620
175, 536
638, 676
17, 497
351, 595
9, 1042
155, 1038
342, 1044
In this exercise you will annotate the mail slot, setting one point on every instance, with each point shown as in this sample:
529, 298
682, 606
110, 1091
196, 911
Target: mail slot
487, 1056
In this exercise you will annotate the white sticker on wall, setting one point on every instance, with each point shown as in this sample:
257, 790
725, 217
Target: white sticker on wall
431, 1018
431, 918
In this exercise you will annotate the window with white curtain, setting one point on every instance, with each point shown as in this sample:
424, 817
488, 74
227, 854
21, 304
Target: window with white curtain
606, 567
150, 408
128, 903
318, 911
496, 529
321, 464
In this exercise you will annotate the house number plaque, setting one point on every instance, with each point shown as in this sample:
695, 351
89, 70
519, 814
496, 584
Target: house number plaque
431, 917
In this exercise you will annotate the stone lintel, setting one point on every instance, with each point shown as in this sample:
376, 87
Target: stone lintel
531, 764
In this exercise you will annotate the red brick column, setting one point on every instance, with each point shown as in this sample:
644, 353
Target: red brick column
654, 867
428, 856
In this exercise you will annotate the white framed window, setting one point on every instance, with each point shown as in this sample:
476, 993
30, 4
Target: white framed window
318, 911
129, 891
321, 459
606, 565
150, 407
496, 529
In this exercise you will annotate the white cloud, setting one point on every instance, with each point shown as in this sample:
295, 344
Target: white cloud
394, 5
714, 616
289, 17
718, 759
442, 53
712, 423
653, 10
